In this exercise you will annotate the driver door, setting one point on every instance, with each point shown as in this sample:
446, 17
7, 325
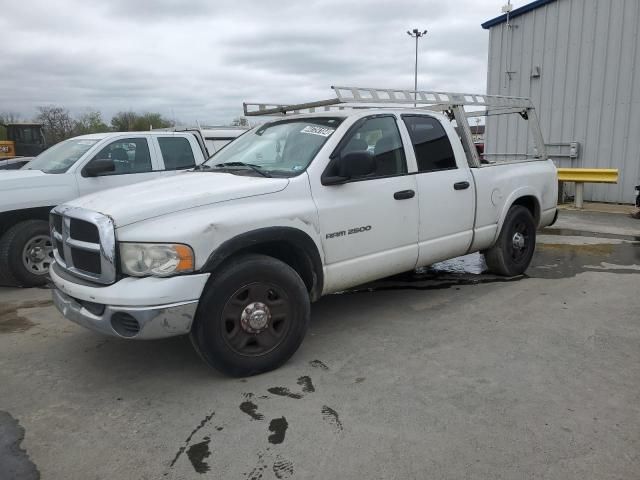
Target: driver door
133, 162
369, 224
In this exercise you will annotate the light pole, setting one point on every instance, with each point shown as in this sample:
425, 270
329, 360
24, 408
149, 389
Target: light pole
415, 33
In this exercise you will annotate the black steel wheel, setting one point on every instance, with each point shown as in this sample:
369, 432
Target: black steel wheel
512, 253
252, 316
520, 243
26, 252
256, 318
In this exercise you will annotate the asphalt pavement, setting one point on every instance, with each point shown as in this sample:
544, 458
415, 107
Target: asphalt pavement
442, 373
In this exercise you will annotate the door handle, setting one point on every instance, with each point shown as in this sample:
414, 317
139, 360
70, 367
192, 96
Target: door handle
404, 194
461, 185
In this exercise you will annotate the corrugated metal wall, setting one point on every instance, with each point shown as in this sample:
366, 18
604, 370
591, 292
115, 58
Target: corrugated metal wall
588, 91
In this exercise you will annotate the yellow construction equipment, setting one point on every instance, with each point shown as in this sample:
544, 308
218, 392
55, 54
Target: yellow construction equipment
22, 140
7, 149
580, 176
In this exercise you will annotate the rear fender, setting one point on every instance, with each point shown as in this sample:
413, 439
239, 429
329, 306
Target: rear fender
511, 200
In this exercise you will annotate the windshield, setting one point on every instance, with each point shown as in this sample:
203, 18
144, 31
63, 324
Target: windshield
60, 157
280, 148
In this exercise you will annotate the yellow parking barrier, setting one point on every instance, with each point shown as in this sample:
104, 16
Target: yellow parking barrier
580, 176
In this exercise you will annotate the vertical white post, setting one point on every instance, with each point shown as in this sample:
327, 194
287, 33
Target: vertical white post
579, 194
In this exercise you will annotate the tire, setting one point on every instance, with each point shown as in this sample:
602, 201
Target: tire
512, 253
26, 253
252, 316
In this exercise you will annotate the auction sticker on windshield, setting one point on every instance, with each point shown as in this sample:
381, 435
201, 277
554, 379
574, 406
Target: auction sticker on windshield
314, 130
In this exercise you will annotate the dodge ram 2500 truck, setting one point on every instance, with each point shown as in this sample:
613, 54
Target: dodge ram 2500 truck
304, 205
79, 166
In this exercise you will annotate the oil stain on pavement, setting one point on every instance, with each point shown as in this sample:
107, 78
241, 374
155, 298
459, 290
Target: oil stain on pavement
12, 322
278, 428
306, 384
181, 450
251, 409
330, 416
282, 468
14, 461
200, 452
318, 364
284, 392
197, 453
258, 470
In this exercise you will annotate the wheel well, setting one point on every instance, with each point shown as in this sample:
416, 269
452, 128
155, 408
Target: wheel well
530, 203
289, 245
12, 217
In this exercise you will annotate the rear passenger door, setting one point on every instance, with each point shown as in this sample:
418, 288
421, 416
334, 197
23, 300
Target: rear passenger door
133, 162
446, 195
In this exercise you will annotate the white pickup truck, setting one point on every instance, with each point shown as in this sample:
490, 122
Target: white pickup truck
79, 166
233, 252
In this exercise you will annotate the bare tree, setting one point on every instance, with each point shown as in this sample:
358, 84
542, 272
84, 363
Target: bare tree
135, 122
89, 122
57, 123
123, 121
9, 117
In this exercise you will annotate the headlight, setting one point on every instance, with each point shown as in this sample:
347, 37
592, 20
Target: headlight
157, 259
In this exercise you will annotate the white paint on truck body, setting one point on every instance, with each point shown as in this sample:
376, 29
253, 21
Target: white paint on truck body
361, 231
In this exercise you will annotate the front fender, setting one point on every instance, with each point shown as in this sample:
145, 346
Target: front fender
36, 190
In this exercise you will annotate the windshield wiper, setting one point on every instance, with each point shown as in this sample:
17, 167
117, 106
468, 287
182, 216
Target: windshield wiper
255, 168
202, 166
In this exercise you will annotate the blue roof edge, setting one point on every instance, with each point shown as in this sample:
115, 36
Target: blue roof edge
517, 12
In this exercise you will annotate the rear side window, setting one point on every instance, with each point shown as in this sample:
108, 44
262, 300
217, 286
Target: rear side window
430, 144
176, 153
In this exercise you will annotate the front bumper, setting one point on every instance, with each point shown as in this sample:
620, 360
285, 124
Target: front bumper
141, 323
143, 308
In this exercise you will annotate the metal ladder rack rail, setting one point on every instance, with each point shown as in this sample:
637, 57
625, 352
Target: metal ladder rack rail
424, 97
451, 102
376, 97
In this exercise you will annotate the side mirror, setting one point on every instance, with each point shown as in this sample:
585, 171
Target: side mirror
351, 165
99, 166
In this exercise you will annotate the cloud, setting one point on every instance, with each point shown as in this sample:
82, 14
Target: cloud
198, 61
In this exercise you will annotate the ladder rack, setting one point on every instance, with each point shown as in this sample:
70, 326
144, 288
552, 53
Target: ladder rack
358, 97
451, 103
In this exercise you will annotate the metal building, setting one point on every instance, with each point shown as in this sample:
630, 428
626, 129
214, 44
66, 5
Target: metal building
579, 62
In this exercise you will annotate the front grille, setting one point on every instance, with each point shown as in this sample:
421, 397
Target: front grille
84, 243
84, 231
87, 261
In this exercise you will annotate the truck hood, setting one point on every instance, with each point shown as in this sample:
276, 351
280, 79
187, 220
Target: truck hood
185, 190
32, 188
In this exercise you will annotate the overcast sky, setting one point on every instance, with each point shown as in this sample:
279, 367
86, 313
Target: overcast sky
198, 60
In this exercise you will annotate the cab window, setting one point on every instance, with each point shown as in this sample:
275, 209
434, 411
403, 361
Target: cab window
430, 143
129, 155
176, 153
378, 137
